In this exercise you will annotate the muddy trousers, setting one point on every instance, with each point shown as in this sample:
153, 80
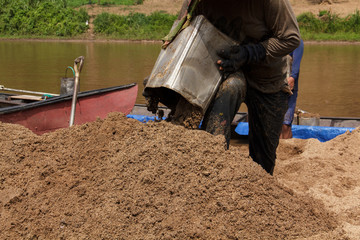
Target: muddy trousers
222, 110
265, 115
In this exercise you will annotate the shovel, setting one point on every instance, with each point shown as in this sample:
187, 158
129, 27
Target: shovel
78, 63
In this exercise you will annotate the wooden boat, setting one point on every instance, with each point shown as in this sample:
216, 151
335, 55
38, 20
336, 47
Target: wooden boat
42, 116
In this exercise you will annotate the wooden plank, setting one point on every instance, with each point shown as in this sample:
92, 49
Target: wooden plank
26, 97
10, 103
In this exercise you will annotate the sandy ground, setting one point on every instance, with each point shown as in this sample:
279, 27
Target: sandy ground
341, 7
121, 179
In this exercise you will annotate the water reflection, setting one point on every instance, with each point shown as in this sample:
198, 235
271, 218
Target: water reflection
39, 65
329, 79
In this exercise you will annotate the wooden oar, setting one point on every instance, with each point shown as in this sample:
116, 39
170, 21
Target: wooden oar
25, 91
78, 61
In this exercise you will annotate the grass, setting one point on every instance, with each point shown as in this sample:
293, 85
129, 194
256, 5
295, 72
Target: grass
58, 19
34, 37
329, 27
78, 3
323, 27
135, 26
338, 36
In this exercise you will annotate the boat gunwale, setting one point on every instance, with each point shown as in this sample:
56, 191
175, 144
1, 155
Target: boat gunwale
62, 98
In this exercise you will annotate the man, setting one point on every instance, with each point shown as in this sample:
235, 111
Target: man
254, 71
293, 81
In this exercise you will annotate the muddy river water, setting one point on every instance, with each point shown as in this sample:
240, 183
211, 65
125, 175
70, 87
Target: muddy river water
329, 79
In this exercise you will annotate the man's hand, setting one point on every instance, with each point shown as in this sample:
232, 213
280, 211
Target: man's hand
291, 82
229, 51
233, 58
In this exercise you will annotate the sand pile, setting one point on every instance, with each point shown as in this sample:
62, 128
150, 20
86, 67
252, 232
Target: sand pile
121, 179
328, 171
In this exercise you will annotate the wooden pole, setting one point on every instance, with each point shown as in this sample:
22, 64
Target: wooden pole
80, 61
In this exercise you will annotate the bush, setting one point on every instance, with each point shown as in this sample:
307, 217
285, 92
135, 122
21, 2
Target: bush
309, 22
327, 22
352, 23
42, 18
134, 26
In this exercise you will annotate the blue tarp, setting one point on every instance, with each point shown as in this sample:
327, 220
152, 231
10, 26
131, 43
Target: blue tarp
323, 134
142, 118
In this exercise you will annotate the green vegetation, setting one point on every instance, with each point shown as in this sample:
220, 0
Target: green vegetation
328, 26
78, 3
135, 26
58, 18
41, 18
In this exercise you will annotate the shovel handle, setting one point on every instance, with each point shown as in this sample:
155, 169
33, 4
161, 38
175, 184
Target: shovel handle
78, 63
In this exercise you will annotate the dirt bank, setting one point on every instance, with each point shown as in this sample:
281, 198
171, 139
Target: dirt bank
341, 7
121, 179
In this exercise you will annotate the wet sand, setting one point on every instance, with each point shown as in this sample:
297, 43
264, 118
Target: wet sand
121, 179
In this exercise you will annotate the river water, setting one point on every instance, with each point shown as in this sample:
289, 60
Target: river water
329, 78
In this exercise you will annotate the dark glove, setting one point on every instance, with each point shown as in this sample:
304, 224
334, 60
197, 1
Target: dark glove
234, 57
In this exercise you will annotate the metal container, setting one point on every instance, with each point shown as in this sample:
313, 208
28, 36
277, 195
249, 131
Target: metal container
188, 65
66, 85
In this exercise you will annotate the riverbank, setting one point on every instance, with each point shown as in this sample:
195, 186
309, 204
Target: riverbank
337, 9
341, 8
106, 40
152, 20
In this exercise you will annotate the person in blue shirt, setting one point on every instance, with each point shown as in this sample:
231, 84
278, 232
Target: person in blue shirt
293, 81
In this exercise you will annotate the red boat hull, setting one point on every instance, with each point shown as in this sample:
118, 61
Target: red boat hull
54, 113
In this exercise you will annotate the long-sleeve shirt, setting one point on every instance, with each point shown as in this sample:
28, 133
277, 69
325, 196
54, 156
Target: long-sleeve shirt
296, 60
271, 23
